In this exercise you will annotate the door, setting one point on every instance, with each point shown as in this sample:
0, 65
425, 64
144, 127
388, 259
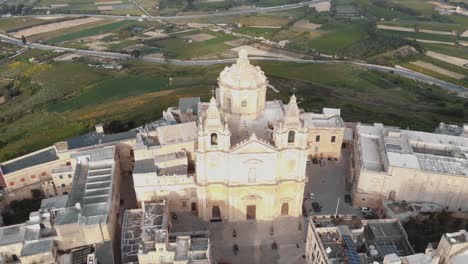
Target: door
251, 212
215, 212
194, 206
285, 209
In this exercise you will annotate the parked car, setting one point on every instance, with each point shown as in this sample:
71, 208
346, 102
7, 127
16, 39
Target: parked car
316, 207
366, 210
370, 215
311, 196
347, 198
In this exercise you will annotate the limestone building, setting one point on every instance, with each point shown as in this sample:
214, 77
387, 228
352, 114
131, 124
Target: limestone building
244, 157
146, 239
348, 240
86, 217
395, 164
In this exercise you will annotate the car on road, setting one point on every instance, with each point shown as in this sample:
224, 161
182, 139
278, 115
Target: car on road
311, 196
316, 207
347, 198
366, 210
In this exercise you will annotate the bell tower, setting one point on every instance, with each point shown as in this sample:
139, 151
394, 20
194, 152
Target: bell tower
291, 132
213, 132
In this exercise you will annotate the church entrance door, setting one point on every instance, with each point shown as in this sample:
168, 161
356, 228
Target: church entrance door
251, 212
215, 212
285, 209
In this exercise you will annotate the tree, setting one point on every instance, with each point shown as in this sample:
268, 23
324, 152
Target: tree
136, 53
23, 40
36, 193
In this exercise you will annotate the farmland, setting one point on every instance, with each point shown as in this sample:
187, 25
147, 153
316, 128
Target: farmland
48, 101
46, 109
178, 47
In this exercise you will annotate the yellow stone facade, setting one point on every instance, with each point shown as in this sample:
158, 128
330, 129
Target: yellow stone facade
249, 154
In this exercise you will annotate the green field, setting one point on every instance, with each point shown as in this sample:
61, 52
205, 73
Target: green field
338, 36
106, 28
457, 51
179, 48
61, 100
111, 89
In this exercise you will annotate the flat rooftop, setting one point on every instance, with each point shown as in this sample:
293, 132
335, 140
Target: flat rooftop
412, 149
55, 202
189, 104
457, 237
329, 118
140, 226
12, 234
30, 160
95, 138
38, 247
144, 166
386, 236
92, 187
172, 171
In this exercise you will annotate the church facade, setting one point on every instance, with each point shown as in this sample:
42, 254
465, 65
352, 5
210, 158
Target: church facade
244, 158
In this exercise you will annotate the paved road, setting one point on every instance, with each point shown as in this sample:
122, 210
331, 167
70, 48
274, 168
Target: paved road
216, 14
402, 72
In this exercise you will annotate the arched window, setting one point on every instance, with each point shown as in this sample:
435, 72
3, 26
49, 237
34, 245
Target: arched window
244, 103
214, 139
291, 136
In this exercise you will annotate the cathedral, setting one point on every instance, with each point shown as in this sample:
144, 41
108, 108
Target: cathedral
237, 157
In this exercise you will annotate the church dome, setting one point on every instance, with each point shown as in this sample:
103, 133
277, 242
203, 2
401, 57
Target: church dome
242, 74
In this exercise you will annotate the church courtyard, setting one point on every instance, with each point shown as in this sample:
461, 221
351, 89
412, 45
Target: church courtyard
328, 182
254, 239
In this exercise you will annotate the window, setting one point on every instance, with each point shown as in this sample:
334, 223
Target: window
244, 103
291, 136
22, 180
214, 139
63, 185
12, 183
252, 175
68, 163
333, 139
61, 177
69, 176
184, 204
317, 138
33, 176
229, 103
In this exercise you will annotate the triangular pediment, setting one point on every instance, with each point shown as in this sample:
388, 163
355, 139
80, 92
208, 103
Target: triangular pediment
253, 146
